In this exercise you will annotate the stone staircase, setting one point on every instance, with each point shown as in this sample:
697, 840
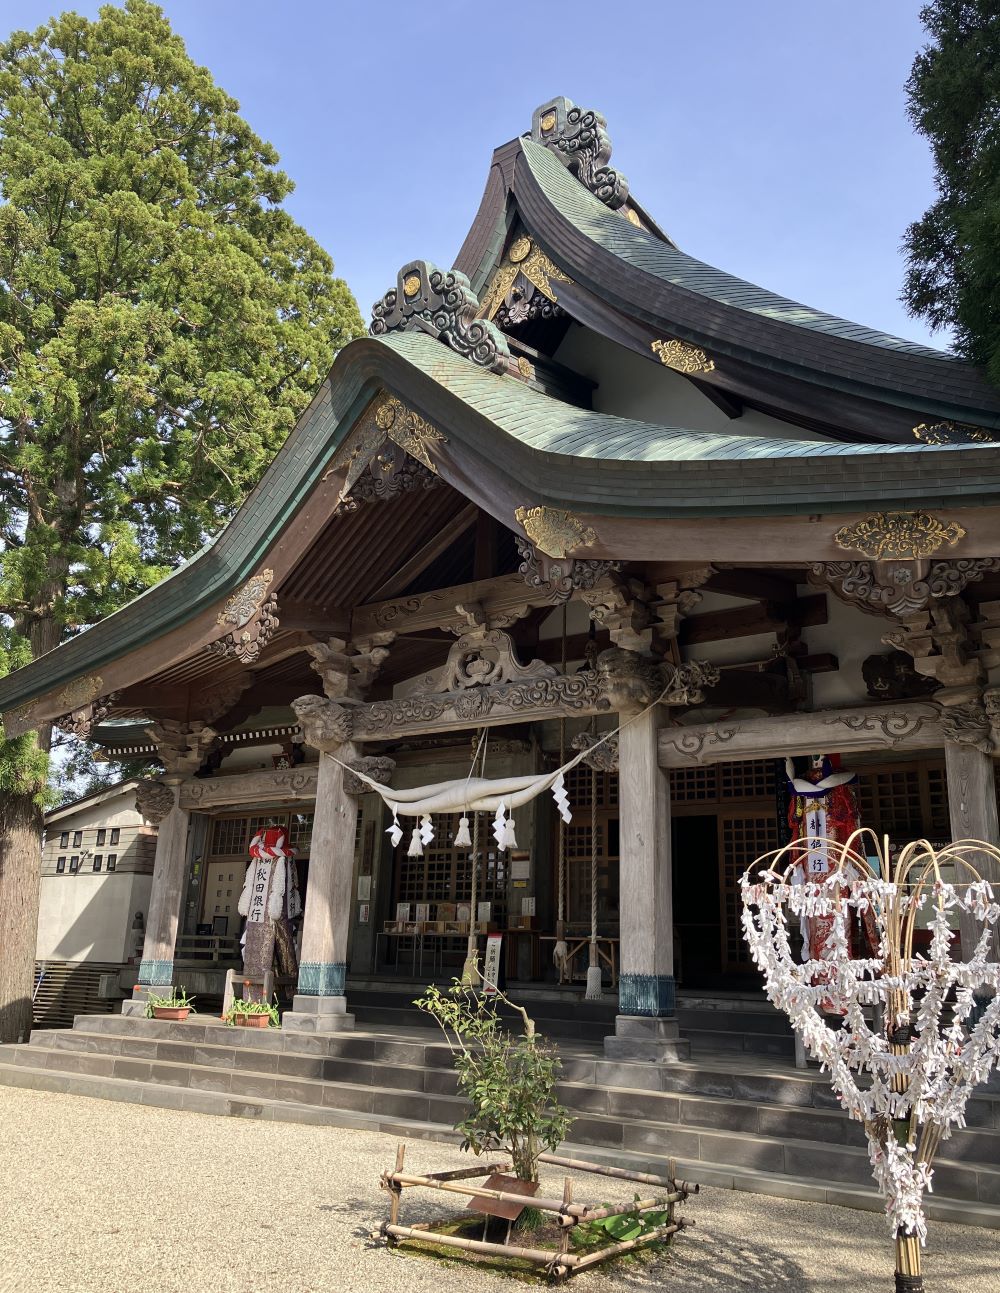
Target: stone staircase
748, 1122
712, 1023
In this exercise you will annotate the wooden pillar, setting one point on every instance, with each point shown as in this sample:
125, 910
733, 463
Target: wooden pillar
156, 969
646, 1026
972, 809
320, 1003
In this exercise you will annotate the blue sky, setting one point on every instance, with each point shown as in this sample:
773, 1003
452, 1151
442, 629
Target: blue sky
768, 138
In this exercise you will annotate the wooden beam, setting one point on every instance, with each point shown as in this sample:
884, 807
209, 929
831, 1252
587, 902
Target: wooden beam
903, 725
725, 401
747, 621
485, 557
422, 611
430, 552
313, 617
751, 584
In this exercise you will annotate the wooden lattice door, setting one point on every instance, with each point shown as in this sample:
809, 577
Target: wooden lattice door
743, 837
579, 784
444, 873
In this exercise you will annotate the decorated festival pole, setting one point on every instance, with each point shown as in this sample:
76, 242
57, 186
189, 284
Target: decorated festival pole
931, 1043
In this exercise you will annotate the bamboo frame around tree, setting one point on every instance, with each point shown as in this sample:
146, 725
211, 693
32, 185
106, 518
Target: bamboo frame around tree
932, 1040
559, 1263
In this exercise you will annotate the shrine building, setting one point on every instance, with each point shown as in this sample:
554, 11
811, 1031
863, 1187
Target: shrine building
577, 481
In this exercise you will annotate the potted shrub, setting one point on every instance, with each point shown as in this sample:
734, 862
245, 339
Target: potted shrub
248, 1013
176, 1005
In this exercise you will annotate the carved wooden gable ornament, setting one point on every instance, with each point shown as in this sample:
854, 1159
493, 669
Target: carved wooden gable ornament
442, 304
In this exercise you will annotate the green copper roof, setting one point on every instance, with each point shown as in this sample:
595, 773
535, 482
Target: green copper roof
550, 426
497, 430
648, 253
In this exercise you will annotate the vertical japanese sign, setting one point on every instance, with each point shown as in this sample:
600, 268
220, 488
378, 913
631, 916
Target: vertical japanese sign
257, 909
491, 968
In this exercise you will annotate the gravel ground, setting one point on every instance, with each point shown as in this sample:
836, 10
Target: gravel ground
104, 1196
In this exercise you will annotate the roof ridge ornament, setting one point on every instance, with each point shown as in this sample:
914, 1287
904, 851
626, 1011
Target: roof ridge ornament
579, 138
442, 304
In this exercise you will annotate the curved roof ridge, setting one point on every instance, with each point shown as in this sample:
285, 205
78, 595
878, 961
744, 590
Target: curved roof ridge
542, 422
666, 261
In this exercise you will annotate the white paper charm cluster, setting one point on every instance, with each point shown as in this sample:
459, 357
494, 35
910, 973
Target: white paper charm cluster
912, 1041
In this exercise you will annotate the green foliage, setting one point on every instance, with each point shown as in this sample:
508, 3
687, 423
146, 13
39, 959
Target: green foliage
619, 1227
163, 320
176, 999
78, 770
509, 1080
953, 252
253, 1006
23, 765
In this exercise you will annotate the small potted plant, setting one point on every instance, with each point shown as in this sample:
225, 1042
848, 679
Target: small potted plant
246, 1012
176, 1005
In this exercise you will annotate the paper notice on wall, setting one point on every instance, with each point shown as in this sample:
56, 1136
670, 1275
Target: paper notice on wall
364, 888
520, 866
484, 911
423, 911
364, 911
257, 907
491, 966
527, 906
403, 911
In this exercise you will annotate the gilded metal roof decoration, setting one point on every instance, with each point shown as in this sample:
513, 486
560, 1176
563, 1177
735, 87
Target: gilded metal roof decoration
579, 138
954, 433
442, 304
526, 368
523, 258
682, 357
409, 430
554, 531
632, 216
898, 536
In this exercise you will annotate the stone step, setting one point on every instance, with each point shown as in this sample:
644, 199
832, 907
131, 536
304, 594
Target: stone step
374, 1015
624, 1127
385, 1062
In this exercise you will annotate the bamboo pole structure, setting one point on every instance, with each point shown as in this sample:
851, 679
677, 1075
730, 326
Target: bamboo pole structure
557, 1263
895, 894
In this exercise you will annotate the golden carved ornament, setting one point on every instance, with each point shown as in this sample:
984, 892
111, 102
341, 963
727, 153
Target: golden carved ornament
632, 217
683, 358
411, 285
409, 430
522, 258
554, 531
548, 121
525, 368
954, 433
898, 536
240, 609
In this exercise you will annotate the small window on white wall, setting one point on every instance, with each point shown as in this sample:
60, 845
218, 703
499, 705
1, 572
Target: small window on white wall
74, 862
112, 861
60, 865
98, 860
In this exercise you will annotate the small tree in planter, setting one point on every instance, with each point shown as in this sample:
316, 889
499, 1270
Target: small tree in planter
509, 1080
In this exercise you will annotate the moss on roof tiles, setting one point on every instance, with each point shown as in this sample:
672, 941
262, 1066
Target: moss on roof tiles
646, 252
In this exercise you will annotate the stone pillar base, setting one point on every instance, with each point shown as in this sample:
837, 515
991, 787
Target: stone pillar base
639, 1037
317, 1015
136, 1004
